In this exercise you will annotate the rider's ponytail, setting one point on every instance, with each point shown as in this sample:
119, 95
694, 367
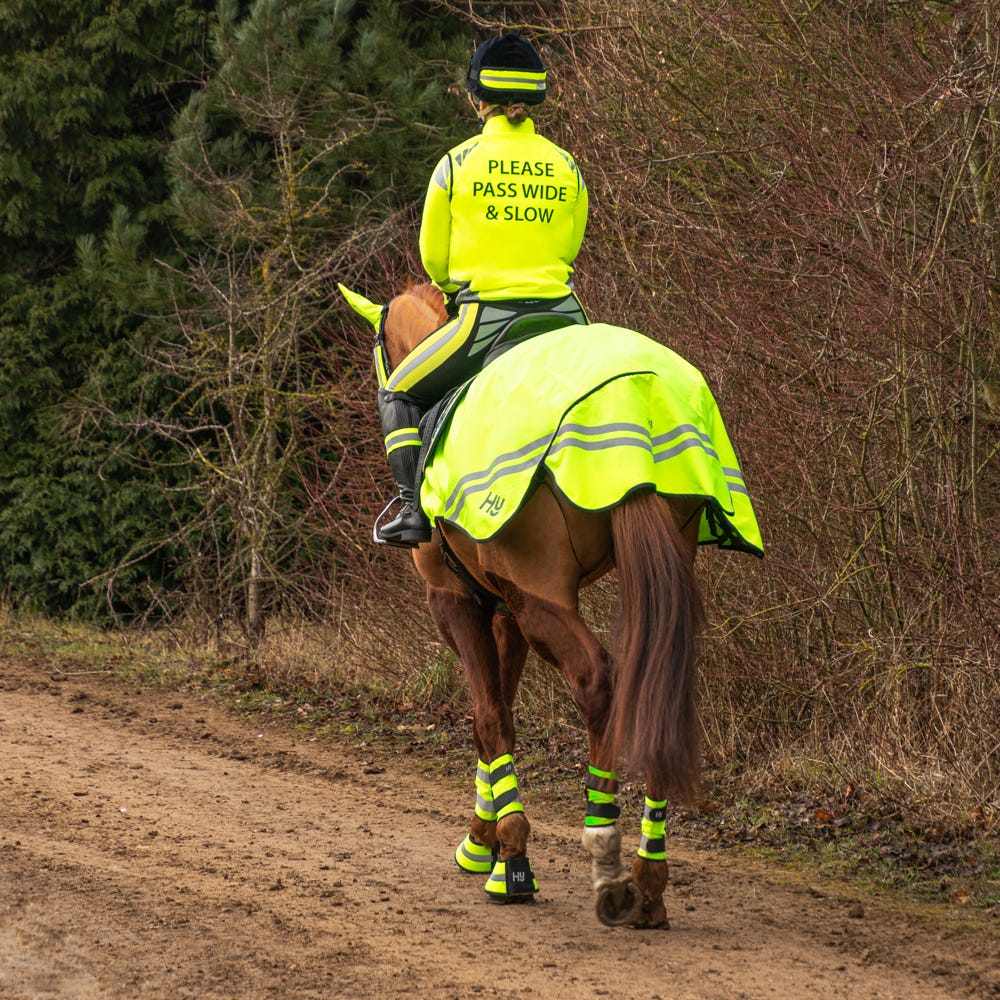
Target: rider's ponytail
516, 113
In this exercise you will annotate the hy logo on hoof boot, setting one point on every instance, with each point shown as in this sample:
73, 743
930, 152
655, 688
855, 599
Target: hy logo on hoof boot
511, 881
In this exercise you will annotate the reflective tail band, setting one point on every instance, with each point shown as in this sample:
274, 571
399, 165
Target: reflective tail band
503, 784
653, 843
485, 809
601, 789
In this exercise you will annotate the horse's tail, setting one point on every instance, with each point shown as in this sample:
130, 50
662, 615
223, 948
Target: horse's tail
655, 726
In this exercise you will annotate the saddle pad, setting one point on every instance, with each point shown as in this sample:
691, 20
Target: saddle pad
606, 411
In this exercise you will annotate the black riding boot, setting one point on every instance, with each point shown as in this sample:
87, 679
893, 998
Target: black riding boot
400, 419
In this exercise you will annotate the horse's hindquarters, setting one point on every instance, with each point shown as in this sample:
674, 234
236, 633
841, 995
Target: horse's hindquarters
549, 550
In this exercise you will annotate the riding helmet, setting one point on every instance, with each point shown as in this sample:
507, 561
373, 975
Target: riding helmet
507, 70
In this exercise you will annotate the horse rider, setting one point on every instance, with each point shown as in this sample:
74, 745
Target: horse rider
503, 221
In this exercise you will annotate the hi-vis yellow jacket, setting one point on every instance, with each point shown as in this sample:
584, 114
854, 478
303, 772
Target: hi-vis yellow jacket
504, 215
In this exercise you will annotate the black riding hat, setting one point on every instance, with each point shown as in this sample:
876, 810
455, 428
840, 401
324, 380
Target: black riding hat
507, 70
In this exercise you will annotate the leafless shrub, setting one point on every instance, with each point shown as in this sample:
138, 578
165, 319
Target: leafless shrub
799, 199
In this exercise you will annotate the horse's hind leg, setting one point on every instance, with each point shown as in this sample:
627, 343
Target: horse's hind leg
649, 870
617, 899
560, 636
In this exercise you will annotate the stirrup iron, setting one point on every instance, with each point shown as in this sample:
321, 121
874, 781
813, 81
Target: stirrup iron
376, 537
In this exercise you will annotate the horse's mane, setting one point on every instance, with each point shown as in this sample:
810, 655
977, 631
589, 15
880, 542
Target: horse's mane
430, 296
413, 314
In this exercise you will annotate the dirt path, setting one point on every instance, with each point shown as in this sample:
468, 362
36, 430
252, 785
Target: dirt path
158, 846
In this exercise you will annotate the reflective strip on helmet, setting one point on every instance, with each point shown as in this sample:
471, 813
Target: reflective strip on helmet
511, 79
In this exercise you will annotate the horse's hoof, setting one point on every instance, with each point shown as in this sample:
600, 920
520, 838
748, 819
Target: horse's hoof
502, 899
653, 917
618, 903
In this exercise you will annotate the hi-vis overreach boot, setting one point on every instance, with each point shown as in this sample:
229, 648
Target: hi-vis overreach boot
400, 418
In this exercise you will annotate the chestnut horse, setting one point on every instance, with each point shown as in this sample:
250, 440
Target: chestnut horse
639, 708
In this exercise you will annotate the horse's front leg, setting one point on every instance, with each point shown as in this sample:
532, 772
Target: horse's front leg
492, 652
480, 850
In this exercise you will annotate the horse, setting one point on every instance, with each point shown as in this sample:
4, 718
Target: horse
639, 707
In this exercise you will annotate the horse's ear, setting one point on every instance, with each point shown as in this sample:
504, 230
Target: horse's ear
361, 305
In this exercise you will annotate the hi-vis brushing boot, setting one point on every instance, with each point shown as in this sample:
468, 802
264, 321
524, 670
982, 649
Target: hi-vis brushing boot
510, 881
471, 855
400, 418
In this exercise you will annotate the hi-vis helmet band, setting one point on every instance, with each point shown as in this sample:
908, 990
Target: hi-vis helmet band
512, 79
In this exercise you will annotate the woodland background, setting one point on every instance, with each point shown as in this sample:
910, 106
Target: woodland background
799, 197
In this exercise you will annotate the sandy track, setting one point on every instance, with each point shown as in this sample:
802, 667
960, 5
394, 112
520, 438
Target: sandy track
155, 845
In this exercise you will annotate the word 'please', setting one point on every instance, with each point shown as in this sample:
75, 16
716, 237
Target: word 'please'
522, 168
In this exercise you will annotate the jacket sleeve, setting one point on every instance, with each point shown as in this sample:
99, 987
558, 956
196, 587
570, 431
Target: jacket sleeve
580, 213
435, 227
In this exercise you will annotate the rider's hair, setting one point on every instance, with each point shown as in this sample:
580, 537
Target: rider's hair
516, 113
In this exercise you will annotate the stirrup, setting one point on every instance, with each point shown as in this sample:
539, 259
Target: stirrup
376, 538
403, 543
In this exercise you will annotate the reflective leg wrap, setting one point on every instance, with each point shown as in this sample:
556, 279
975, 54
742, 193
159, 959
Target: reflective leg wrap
400, 418
472, 856
503, 786
653, 842
602, 787
485, 809
510, 881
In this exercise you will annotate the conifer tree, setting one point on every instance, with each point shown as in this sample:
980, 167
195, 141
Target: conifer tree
87, 91
320, 118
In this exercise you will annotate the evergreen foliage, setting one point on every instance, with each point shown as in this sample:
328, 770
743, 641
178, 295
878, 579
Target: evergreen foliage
294, 125
86, 96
